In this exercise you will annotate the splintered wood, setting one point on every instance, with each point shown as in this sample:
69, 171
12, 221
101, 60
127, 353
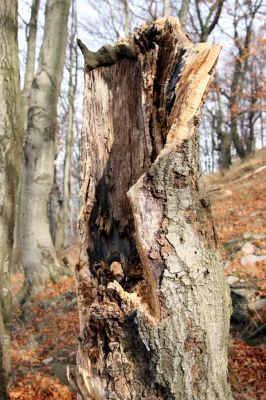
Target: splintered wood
154, 308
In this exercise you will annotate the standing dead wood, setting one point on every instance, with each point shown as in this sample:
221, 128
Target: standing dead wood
154, 306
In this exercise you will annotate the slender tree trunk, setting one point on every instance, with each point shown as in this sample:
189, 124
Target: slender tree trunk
59, 232
225, 150
67, 172
72, 84
238, 143
183, 14
11, 129
208, 21
154, 306
127, 18
240, 69
234, 106
225, 139
55, 213
28, 78
261, 129
31, 57
166, 8
37, 251
251, 142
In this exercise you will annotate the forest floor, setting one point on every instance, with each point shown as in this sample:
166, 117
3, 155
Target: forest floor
44, 339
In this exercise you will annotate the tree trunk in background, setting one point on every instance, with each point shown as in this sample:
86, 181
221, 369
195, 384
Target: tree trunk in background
166, 8
31, 56
37, 251
225, 139
28, 78
241, 63
251, 139
72, 85
234, 108
127, 18
154, 306
208, 21
55, 213
183, 14
11, 128
225, 159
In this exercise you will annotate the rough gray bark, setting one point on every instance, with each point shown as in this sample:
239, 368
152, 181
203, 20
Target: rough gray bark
154, 306
37, 251
10, 159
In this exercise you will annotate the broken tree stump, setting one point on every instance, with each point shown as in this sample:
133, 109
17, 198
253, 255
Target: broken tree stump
154, 307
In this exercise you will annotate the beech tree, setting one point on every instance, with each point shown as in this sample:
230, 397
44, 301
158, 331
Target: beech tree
31, 36
37, 251
11, 131
154, 306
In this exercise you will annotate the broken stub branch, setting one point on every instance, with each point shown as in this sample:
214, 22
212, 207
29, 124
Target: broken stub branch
154, 307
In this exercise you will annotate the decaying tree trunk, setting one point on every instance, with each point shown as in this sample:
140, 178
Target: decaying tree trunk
11, 128
154, 306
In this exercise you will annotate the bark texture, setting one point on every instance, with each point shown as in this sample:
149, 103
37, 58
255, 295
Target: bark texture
72, 88
37, 251
10, 158
31, 34
31, 56
154, 306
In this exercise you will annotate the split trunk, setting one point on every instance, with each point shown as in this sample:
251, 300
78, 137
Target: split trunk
154, 306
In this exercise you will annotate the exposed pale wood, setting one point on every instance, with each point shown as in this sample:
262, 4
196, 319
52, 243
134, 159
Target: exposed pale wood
154, 306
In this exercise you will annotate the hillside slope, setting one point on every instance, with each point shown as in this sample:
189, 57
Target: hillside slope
239, 209
45, 341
